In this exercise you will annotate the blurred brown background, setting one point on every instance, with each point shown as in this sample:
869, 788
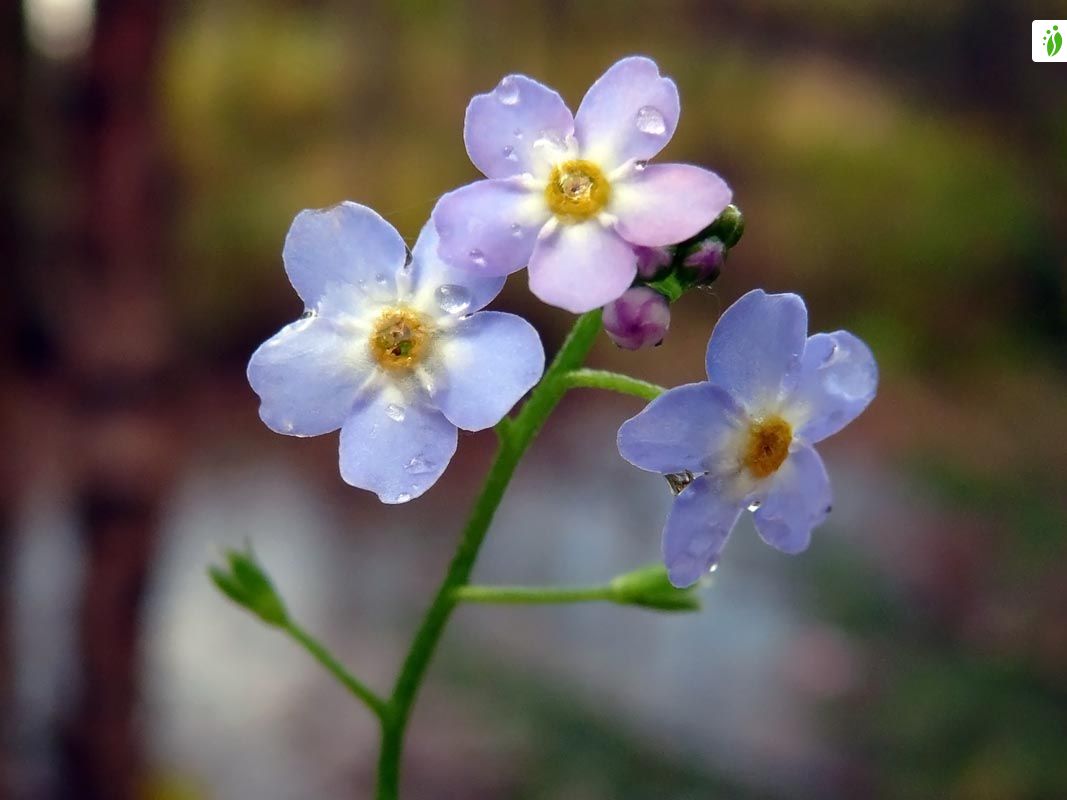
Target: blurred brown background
900, 164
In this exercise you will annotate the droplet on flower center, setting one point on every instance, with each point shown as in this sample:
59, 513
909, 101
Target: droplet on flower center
577, 190
399, 338
768, 445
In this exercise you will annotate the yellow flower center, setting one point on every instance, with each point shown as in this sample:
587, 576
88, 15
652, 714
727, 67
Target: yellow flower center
577, 190
399, 339
768, 445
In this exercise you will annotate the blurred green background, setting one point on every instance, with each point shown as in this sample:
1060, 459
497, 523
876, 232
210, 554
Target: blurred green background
900, 164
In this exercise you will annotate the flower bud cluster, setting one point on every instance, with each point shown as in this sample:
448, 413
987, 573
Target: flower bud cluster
641, 316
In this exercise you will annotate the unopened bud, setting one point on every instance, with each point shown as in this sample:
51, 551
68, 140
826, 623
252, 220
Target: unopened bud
651, 261
245, 582
639, 318
705, 260
651, 588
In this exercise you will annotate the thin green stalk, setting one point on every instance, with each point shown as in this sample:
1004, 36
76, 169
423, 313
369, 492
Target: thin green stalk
533, 595
612, 382
319, 652
515, 436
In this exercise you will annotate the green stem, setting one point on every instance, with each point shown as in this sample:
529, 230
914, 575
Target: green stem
611, 381
335, 668
515, 436
533, 595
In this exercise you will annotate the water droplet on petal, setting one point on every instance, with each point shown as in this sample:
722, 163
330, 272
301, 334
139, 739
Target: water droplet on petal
452, 299
507, 91
403, 497
419, 466
308, 313
477, 257
714, 565
518, 133
754, 505
650, 120
288, 425
509, 153
395, 412
516, 230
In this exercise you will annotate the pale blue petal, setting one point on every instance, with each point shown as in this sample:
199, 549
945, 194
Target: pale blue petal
429, 273
698, 525
484, 366
489, 227
685, 428
838, 379
797, 500
345, 245
630, 112
308, 376
501, 127
754, 352
395, 449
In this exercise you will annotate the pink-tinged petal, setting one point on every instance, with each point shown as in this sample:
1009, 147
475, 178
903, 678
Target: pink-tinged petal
838, 380
489, 227
486, 363
395, 449
502, 126
797, 501
697, 527
308, 377
664, 204
579, 267
345, 245
429, 273
754, 352
629, 113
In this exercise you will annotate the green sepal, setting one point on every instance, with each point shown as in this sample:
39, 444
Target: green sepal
649, 587
246, 584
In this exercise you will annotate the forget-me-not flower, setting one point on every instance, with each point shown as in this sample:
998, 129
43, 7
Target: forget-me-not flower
747, 433
571, 195
390, 352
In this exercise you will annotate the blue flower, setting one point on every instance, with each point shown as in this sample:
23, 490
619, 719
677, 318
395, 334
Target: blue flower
747, 433
571, 195
390, 352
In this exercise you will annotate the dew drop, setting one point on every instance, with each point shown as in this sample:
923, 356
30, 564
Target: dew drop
288, 425
516, 230
418, 466
395, 412
477, 257
452, 299
714, 565
403, 497
754, 505
507, 91
518, 133
509, 153
308, 314
650, 120
380, 279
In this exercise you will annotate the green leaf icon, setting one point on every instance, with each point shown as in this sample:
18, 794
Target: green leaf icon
1054, 44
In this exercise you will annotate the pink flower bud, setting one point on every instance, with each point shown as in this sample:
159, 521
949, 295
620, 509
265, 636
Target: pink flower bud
651, 261
706, 260
639, 318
